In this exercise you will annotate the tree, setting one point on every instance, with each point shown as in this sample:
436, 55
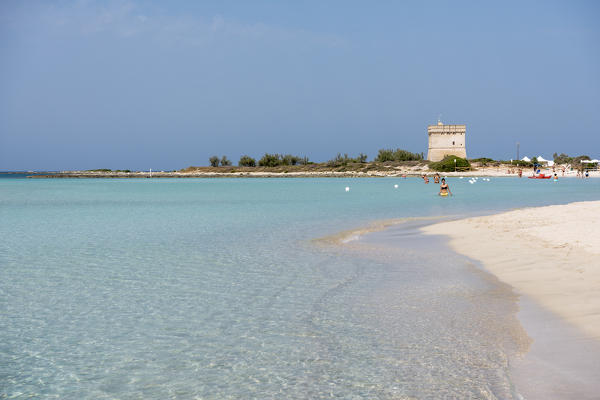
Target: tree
577, 160
214, 161
397, 155
225, 161
385, 155
448, 164
246, 161
562, 158
269, 160
289, 159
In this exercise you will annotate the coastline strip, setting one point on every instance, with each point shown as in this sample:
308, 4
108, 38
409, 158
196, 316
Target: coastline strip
350, 235
548, 253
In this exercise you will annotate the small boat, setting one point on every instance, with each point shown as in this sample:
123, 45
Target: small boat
540, 176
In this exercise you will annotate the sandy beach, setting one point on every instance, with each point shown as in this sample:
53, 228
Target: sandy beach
548, 253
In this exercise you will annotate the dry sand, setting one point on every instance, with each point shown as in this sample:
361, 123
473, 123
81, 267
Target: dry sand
550, 254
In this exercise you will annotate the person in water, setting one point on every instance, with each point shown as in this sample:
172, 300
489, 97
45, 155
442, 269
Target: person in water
436, 178
444, 188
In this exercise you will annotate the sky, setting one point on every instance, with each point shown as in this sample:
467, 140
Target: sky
166, 85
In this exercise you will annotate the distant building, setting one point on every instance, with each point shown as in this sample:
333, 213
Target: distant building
446, 140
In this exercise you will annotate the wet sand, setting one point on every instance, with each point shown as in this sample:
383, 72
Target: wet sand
549, 255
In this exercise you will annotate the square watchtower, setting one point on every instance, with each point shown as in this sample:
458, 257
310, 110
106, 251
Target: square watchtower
446, 140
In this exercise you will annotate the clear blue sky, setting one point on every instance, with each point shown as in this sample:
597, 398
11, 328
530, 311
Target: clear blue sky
141, 84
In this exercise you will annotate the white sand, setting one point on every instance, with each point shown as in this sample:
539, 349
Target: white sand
551, 254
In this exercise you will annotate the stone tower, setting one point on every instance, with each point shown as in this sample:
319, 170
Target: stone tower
446, 140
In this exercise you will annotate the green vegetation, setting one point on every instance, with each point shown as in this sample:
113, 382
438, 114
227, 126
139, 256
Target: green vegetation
562, 158
397, 155
448, 164
577, 160
269, 160
275, 160
247, 161
108, 170
483, 161
344, 160
225, 162
519, 163
214, 161
565, 159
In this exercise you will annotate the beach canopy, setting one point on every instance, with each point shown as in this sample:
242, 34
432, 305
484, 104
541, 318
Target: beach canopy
526, 159
595, 161
589, 161
542, 159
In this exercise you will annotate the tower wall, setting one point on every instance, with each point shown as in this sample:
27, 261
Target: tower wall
446, 140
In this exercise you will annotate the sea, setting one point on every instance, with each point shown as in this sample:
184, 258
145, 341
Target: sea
255, 289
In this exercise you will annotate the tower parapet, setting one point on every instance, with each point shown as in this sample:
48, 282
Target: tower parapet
446, 140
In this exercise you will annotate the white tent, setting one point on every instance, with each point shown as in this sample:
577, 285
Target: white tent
542, 159
595, 161
589, 161
526, 159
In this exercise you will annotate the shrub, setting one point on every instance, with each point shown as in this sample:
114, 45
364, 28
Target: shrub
562, 158
289, 159
269, 160
225, 161
520, 163
303, 161
577, 160
340, 160
397, 155
448, 165
100, 170
482, 160
214, 161
246, 161
385, 155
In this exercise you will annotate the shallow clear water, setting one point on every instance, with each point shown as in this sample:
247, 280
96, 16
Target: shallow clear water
192, 288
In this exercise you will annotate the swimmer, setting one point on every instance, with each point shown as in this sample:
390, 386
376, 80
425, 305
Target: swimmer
436, 178
444, 189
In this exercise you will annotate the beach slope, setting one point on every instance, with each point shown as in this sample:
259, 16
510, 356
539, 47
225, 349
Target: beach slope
551, 254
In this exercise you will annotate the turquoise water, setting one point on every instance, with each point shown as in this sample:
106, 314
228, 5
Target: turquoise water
214, 288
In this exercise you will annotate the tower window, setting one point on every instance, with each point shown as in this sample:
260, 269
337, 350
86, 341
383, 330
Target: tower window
453, 143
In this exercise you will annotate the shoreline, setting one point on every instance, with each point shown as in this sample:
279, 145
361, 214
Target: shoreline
293, 172
547, 255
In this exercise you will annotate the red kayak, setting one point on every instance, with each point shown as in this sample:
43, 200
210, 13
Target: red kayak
540, 176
